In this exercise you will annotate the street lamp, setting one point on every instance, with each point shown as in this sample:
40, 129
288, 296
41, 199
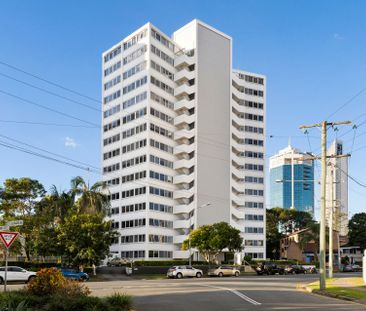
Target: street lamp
190, 228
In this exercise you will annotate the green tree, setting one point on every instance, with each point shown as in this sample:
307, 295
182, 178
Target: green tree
357, 230
86, 238
212, 240
20, 200
311, 235
89, 199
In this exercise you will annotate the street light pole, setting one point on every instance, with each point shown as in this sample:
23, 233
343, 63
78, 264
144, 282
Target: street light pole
189, 233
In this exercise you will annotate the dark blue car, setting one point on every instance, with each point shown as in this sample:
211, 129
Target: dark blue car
74, 274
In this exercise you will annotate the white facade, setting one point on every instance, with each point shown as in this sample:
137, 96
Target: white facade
340, 188
181, 129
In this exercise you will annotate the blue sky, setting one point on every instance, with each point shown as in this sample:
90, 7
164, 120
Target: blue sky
312, 52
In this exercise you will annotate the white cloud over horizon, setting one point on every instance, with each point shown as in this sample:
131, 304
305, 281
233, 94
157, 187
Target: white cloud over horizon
70, 142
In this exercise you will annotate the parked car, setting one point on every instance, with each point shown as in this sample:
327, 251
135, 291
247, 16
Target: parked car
184, 271
17, 274
310, 269
295, 269
224, 271
269, 269
74, 274
352, 268
116, 262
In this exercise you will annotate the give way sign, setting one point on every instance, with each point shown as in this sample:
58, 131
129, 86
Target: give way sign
8, 237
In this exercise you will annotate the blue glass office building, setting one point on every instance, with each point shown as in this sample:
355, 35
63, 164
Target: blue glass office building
280, 181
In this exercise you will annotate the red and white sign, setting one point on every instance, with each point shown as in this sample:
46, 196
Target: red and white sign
8, 237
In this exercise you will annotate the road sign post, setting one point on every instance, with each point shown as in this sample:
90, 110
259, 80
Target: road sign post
7, 238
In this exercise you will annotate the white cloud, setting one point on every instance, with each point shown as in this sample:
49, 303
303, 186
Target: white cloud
70, 142
337, 36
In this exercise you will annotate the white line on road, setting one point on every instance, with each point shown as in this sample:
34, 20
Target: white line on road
237, 293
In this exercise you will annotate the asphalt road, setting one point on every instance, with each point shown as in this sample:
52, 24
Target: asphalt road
223, 294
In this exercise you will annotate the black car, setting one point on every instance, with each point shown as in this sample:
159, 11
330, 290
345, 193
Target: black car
269, 269
295, 269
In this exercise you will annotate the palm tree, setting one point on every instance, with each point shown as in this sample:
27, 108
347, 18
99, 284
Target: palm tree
62, 203
89, 199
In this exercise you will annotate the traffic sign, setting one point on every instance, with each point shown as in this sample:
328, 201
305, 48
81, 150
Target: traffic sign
14, 223
4, 228
8, 238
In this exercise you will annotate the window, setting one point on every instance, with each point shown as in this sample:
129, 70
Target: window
137, 238
112, 182
254, 192
141, 222
162, 70
254, 217
112, 68
253, 243
161, 161
160, 208
154, 238
161, 100
134, 85
252, 154
111, 168
161, 131
160, 223
112, 54
134, 100
133, 176
162, 39
112, 82
254, 205
129, 58
160, 254
134, 146
162, 55
134, 40
162, 85
255, 142
134, 115
161, 146
161, 177
113, 196
133, 208
134, 161
253, 167
253, 179
161, 116
134, 130
255, 255
114, 210
111, 154
111, 139
133, 254
161, 192
253, 230
251, 129
112, 111
112, 97
112, 125
135, 69
247, 103
253, 92
133, 192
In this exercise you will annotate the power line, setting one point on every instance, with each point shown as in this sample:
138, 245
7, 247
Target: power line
52, 153
48, 81
47, 108
51, 93
46, 124
11, 146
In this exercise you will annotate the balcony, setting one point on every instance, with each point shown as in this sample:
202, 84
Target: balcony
183, 133
184, 89
183, 60
237, 214
183, 208
184, 75
181, 224
184, 149
183, 179
183, 164
181, 254
184, 104
179, 239
184, 119
182, 194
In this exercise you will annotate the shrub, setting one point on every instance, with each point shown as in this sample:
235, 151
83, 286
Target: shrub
119, 302
51, 281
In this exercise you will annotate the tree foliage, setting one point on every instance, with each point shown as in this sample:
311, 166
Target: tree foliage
357, 230
212, 240
280, 222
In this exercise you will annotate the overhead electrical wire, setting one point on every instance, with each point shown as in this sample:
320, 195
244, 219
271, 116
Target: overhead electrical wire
47, 124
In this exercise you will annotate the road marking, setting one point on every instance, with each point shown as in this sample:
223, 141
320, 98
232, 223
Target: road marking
237, 293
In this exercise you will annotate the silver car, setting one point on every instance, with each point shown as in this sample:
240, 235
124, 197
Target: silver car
224, 271
184, 271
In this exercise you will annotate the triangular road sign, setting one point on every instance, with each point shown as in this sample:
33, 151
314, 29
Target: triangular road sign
8, 237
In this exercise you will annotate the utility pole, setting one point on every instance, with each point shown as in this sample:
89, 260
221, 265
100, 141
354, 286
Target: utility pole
322, 242
330, 253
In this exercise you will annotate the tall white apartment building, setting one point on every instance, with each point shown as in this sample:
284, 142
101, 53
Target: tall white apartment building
182, 141
338, 183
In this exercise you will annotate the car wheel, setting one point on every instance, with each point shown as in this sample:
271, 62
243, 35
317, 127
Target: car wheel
236, 274
1, 280
198, 275
30, 279
179, 275
220, 275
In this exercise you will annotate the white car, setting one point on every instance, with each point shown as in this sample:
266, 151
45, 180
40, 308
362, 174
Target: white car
17, 274
184, 271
